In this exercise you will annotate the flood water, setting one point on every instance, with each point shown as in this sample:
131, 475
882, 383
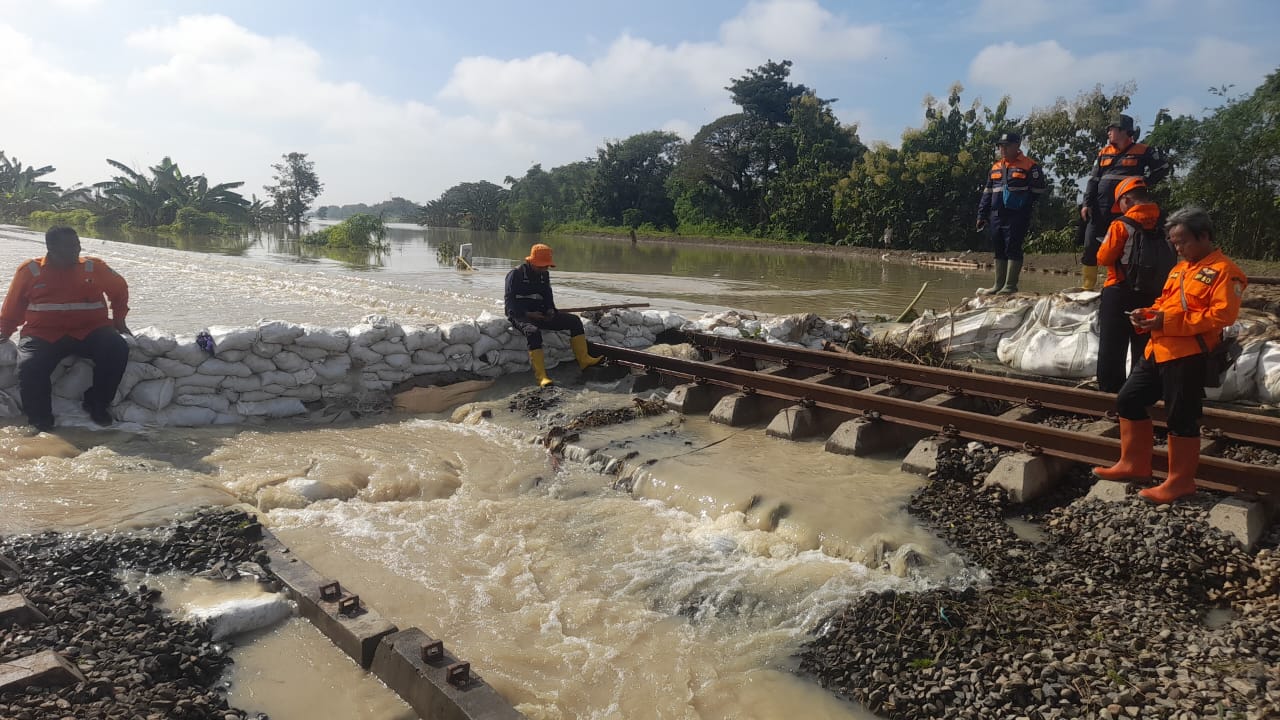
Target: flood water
685, 598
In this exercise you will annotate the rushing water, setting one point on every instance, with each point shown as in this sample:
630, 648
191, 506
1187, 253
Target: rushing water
686, 598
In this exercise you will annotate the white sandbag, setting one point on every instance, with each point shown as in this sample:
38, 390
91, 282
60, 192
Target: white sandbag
279, 407
242, 384
333, 369
1240, 381
130, 412
279, 333
330, 339
305, 393
1056, 339
185, 416
232, 355
214, 402
392, 374
303, 376
463, 332
259, 364
173, 368
153, 394
363, 355
492, 325
421, 338
9, 405
398, 361
135, 373
187, 352
311, 354
973, 328
653, 318
365, 335
266, 349
214, 366
290, 361
154, 341
199, 380
279, 377
485, 344
458, 352
229, 338
258, 395
235, 617
1269, 373
73, 383
425, 357
389, 347
228, 419
8, 353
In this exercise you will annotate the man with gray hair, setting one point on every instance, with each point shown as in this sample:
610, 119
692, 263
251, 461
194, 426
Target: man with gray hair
1200, 299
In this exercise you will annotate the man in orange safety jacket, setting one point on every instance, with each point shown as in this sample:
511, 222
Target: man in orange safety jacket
60, 301
1122, 157
1201, 298
1120, 254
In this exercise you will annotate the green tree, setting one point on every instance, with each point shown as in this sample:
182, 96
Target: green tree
23, 191
766, 92
923, 196
632, 174
1234, 172
472, 205
802, 198
1066, 136
296, 187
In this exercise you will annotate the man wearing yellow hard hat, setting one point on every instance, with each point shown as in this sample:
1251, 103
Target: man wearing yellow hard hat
531, 308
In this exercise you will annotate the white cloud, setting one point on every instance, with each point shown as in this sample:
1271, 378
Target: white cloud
634, 70
1038, 74
1216, 62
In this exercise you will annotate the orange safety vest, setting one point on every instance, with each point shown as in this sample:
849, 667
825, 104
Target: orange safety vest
1115, 251
1199, 300
54, 302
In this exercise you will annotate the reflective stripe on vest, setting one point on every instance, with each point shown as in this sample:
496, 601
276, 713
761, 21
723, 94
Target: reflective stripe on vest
34, 267
55, 307
88, 265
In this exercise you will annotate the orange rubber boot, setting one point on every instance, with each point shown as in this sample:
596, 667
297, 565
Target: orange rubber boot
1184, 458
1136, 443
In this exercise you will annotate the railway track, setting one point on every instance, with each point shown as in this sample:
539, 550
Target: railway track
845, 386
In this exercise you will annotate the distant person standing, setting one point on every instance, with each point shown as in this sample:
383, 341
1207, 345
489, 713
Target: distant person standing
60, 301
1013, 186
1138, 260
1123, 157
531, 308
1200, 299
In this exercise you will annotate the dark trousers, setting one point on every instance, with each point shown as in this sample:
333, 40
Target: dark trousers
1094, 233
1180, 383
37, 359
532, 329
1116, 335
1008, 231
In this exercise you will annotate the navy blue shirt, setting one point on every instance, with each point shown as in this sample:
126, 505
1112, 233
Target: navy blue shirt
528, 290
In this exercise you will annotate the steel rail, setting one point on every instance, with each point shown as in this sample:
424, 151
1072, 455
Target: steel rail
1256, 429
1213, 473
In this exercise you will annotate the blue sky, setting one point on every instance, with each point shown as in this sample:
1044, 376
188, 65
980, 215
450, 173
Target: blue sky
408, 98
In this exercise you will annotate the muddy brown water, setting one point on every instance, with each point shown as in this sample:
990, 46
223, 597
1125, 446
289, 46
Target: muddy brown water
685, 598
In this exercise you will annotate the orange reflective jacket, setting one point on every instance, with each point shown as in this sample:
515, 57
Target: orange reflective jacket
52, 302
1115, 250
1199, 299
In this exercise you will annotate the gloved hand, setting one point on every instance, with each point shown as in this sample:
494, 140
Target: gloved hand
981, 224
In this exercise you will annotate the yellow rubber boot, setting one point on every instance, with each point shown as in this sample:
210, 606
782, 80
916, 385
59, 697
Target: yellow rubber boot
579, 345
1184, 458
1136, 443
538, 361
1089, 277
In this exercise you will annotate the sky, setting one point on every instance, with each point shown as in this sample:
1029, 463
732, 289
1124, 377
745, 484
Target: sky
409, 97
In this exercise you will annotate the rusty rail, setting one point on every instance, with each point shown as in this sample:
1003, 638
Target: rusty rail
1214, 473
1245, 427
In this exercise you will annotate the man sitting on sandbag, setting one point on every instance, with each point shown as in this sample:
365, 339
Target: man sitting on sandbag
530, 307
60, 301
